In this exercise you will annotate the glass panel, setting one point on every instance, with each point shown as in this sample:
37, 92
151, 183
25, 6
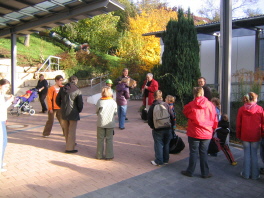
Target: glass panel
3, 20
65, 1
30, 10
46, 5
15, 15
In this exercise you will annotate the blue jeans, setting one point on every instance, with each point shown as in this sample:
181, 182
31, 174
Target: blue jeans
262, 149
162, 145
3, 141
250, 165
198, 146
121, 111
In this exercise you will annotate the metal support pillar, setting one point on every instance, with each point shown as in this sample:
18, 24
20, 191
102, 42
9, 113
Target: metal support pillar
13, 63
257, 46
217, 62
226, 43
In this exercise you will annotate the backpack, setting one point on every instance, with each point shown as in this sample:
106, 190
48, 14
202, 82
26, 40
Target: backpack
161, 117
144, 114
176, 144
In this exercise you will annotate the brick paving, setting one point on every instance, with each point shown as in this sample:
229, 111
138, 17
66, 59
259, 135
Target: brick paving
38, 167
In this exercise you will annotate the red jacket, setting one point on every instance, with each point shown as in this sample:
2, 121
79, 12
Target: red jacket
250, 123
202, 118
154, 86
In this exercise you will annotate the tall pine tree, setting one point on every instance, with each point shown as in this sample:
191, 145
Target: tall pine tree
180, 70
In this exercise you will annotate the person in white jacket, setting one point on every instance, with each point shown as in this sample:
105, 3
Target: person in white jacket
5, 102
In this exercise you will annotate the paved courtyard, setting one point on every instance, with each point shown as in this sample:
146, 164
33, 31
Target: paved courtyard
38, 167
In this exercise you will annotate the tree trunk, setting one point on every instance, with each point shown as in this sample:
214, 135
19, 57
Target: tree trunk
27, 39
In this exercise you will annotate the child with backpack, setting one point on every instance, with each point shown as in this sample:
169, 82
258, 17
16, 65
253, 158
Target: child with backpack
222, 133
170, 100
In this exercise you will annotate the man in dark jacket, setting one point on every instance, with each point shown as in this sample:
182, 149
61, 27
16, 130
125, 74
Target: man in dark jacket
207, 90
161, 136
70, 101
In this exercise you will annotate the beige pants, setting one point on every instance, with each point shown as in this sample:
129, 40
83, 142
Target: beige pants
105, 134
48, 127
70, 133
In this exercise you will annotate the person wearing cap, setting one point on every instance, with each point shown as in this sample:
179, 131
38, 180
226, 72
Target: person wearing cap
109, 82
69, 99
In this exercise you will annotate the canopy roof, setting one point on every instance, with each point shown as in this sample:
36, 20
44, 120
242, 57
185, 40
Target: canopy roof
27, 16
252, 23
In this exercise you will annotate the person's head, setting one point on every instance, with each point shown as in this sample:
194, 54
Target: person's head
41, 77
58, 80
149, 76
73, 79
170, 99
107, 91
125, 80
109, 82
158, 95
245, 98
201, 81
4, 85
216, 102
198, 91
125, 72
253, 97
224, 117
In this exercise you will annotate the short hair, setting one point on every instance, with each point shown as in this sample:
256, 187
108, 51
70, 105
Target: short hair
170, 98
158, 94
216, 101
58, 77
252, 96
202, 78
125, 69
125, 80
73, 79
40, 75
198, 91
4, 82
107, 91
150, 74
224, 117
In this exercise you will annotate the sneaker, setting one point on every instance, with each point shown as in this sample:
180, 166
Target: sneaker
234, 163
166, 163
2, 170
207, 176
261, 170
45, 136
109, 159
126, 118
185, 173
241, 174
154, 163
121, 128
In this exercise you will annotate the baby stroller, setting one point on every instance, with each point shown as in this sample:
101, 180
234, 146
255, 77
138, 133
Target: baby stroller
21, 103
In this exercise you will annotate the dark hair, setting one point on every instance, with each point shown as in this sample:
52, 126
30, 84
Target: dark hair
41, 75
224, 117
202, 78
3, 82
73, 79
58, 77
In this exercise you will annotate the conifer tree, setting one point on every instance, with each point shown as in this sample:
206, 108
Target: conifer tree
180, 70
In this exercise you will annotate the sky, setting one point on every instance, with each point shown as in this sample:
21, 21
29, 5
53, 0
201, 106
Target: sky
196, 5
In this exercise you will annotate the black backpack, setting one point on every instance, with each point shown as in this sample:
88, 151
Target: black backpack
144, 114
176, 144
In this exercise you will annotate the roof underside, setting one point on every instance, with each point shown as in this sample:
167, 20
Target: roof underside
27, 16
252, 23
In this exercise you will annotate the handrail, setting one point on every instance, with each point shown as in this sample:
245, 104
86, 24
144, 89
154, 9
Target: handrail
91, 80
49, 59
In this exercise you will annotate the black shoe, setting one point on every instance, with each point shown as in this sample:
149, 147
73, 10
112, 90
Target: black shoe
261, 170
72, 151
121, 128
126, 118
207, 176
185, 173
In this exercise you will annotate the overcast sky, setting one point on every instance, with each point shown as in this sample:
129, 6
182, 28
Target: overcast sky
195, 5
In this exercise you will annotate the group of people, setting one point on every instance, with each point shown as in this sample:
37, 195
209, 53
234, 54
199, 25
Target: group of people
204, 121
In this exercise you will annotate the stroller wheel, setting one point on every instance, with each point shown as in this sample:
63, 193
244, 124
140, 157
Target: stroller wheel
31, 112
11, 111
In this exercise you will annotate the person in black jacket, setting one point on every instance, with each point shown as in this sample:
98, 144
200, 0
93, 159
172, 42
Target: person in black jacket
207, 90
161, 136
69, 99
42, 88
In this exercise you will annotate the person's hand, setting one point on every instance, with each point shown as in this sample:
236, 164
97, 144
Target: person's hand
51, 111
146, 87
11, 98
39, 90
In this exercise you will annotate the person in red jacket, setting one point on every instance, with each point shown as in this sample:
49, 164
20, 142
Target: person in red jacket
250, 129
149, 87
202, 121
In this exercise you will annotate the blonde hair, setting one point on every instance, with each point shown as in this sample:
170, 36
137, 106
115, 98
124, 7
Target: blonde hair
198, 91
170, 98
125, 80
216, 101
158, 94
252, 96
107, 91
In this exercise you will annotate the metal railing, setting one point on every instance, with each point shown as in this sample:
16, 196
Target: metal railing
52, 61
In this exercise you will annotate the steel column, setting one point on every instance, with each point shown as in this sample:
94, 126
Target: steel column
13, 63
